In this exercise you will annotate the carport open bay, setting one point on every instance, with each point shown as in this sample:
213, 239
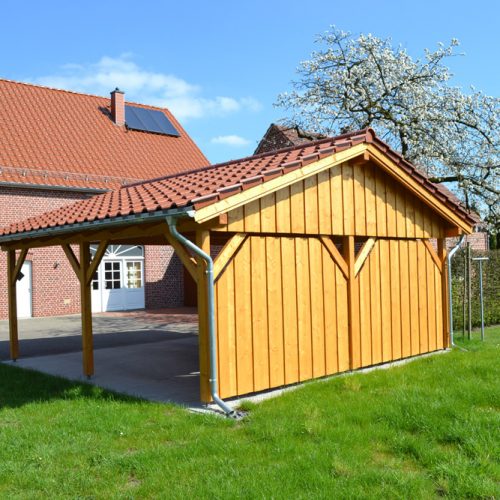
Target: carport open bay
153, 355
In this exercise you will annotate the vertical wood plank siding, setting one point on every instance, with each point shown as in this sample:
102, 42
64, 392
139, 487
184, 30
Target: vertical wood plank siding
358, 200
282, 311
283, 322
403, 334
284, 307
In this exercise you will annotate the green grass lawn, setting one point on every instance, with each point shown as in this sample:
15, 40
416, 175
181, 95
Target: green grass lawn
428, 428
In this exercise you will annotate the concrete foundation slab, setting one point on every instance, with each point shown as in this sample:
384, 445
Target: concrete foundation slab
148, 355
165, 371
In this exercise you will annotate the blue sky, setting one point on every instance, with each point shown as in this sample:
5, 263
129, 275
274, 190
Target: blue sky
219, 65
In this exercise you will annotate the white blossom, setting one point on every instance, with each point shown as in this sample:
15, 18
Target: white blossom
357, 82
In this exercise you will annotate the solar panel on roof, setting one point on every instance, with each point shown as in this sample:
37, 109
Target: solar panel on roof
149, 120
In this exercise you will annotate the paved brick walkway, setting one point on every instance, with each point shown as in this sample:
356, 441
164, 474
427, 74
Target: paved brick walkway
179, 315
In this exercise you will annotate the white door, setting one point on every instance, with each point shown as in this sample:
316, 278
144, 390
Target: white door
23, 291
112, 290
118, 283
134, 286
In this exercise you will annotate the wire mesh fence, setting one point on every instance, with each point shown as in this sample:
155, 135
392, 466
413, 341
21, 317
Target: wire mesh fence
466, 292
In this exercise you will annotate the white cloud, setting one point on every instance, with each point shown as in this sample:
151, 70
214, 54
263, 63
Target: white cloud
230, 140
184, 99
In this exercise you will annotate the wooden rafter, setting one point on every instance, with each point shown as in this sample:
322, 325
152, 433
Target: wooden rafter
363, 254
72, 259
451, 232
19, 264
189, 263
40, 242
433, 254
336, 256
227, 253
101, 250
134, 231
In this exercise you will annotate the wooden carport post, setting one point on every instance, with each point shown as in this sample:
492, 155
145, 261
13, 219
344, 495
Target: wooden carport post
86, 308
349, 254
13, 270
84, 271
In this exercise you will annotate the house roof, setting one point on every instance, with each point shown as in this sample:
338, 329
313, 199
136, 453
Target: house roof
54, 137
206, 186
280, 136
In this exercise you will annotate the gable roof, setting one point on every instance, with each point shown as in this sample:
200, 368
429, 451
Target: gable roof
54, 137
284, 136
207, 186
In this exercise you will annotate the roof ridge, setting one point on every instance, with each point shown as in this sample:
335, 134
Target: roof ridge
192, 189
75, 92
258, 156
301, 132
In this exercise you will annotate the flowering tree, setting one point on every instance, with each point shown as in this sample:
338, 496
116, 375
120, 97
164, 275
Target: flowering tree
454, 136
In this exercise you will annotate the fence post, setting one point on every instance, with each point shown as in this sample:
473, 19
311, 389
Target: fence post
469, 292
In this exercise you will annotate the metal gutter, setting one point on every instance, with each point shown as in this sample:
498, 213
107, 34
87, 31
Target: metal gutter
50, 187
212, 340
96, 224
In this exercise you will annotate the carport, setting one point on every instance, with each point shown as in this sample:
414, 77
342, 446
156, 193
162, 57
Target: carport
75, 239
324, 260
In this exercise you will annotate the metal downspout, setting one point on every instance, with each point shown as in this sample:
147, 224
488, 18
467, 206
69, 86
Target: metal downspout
450, 301
212, 341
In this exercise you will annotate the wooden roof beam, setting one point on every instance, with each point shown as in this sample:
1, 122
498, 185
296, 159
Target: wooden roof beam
189, 262
433, 254
101, 250
19, 264
227, 253
363, 254
73, 260
336, 255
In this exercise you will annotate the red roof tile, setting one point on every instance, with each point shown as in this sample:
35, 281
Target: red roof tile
205, 186
60, 138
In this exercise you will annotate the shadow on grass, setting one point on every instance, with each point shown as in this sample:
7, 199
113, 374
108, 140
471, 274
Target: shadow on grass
20, 386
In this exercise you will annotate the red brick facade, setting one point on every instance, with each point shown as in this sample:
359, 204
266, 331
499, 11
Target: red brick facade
163, 272
55, 289
62, 160
478, 241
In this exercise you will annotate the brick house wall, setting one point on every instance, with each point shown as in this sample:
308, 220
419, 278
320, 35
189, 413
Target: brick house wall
55, 289
164, 277
478, 241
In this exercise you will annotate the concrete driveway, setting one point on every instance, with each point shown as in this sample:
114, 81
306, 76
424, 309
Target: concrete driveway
153, 355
